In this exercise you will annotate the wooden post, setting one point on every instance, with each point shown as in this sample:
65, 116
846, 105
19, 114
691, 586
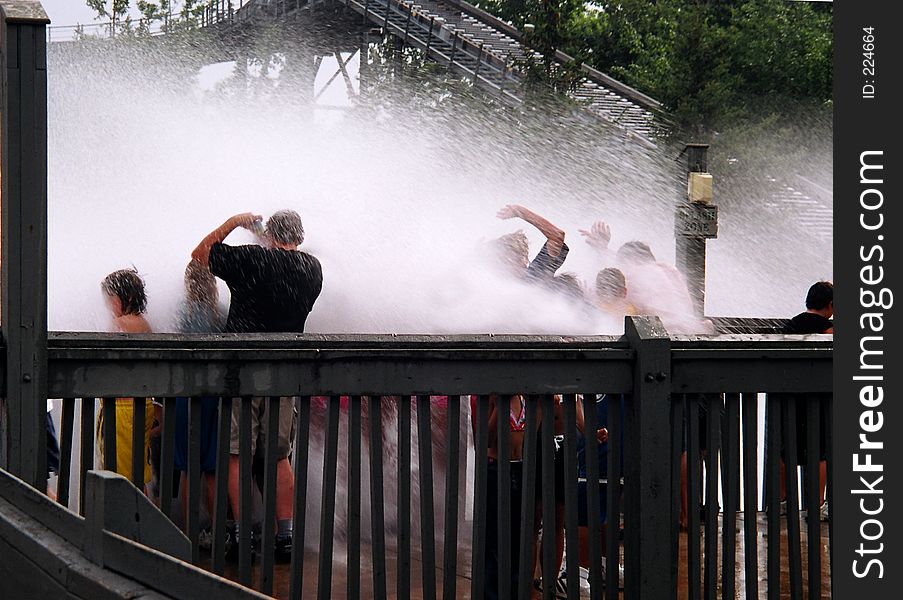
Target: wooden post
23, 149
694, 222
648, 515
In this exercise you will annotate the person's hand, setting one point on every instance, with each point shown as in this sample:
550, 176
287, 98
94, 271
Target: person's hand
602, 435
246, 220
509, 211
598, 236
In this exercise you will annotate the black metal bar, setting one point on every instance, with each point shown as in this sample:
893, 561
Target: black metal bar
503, 500
572, 536
450, 547
613, 498
221, 495
138, 460
270, 463
388, 9
528, 500
167, 455
730, 463
591, 453
428, 535
813, 495
377, 516
429, 37
481, 441
192, 519
67, 421
454, 48
547, 442
108, 409
245, 551
299, 512
366, 12
353, 572
750, 493
773, 498
86, 447
476, 69
327, 504
828, 424
677, 433
407, 23
404, 497
694, 566
713, 433
790, 482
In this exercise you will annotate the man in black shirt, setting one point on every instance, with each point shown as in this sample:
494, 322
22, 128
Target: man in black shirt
274, 287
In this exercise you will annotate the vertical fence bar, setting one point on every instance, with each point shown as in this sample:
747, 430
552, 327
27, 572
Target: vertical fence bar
476, 69
502, 533
528, 500
790, 481
750, 494
694, 566
167, 455
427, 529
192, 519
481, 439
547, 443
23, 262
773, 500
404, 497
138, 460
677, 438
377, 515
86, 447
407, 23
299, 509
730, 462
613, 497
353, 571
327, 503
451, 56
594, 524
270, 462
244, 496
450, 547
572, 539
429, 37
108, 416
67, 421
813, 495
713, 433
221, 496
386, 23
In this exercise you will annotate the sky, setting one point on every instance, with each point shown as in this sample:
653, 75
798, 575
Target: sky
71, 12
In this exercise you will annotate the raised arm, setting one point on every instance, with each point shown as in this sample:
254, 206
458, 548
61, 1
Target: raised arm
202, 252
553, 233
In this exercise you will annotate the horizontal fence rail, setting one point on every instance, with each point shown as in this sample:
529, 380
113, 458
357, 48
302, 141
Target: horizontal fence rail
462, 465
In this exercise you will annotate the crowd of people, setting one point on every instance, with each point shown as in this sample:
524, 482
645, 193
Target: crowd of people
274, 285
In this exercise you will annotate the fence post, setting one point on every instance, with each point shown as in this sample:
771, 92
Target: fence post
648, 553
23, 148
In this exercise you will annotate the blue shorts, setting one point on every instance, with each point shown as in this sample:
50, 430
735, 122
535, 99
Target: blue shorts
583, 503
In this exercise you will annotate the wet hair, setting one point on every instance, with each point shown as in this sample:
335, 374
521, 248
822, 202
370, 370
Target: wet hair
285, 227
514, 243
636, 252
568, 283
820, 295
611, 283
128, 286
200, 284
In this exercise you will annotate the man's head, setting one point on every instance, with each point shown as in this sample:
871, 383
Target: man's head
635, 253
284, 229
124, 290
611, 285
200, 284
820, 299
514, 251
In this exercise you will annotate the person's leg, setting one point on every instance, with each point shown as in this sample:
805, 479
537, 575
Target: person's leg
684, 519
285, 480
234, 447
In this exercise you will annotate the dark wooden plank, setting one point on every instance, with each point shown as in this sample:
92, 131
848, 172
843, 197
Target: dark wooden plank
596, 582
547, 444
572, 539
677, 439
377, 512
481, 441
730, 463
750, 493
712, 441
528, 499
86, 447
353, 571
788, 414
773, 427
167, 455
427, 528
404, 497
138, 460
221, 495
694, 565
270, 461
299, 512
192, 519
67, 421
813, 496
327, 503
828, 425
503, 498
245, 476
613, 497
108, 410
450, 546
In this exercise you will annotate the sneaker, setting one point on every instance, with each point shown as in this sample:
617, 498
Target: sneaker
205, 539
561, 586
232, 543
782, 511
283, 548
620, 574
823, 512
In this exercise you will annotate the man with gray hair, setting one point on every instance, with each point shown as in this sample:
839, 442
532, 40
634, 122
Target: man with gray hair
274, 286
